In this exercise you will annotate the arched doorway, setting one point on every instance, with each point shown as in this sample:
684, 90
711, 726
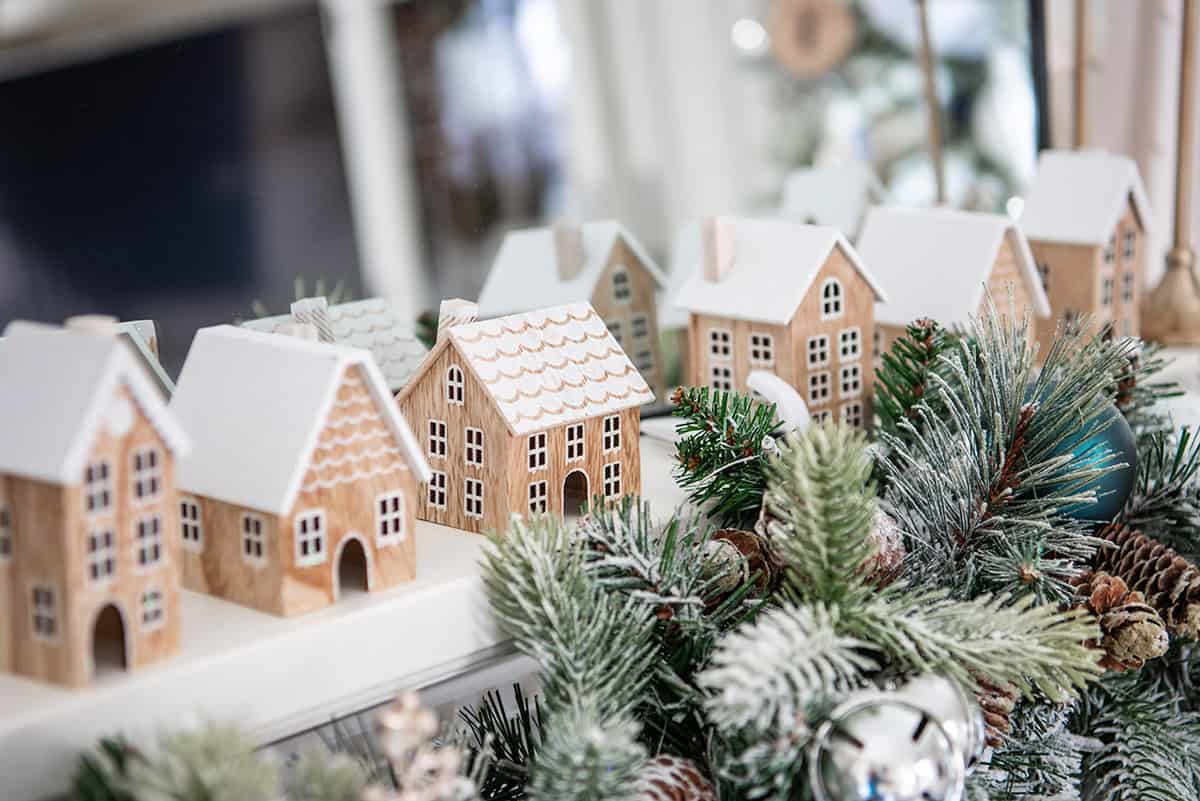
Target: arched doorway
575, 494
352, 569
109, 648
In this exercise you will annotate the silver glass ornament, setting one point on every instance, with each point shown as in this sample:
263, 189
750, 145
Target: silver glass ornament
878, 747
950, 705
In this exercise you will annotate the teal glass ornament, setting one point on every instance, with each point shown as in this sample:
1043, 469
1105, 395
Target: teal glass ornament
1113, 488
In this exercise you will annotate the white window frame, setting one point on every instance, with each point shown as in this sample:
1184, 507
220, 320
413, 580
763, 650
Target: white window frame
575, 442
152, 609
762, 349
1128, 287
852, 413
720, 377
391, 521
850, 374
622, 285
1108, 286
617, 329
1128, 245
43, 615
642, 322
853, 337
720, 344
643, 359
253, 538
612, 481
435, 490
612, 433
473, 497
6, 533
818, 346
438, 438
309, 529
877, 346
822, 415
455, 383
538, 496
97, 488
536, 451
820, 380
473, 446
1110, 250
148, 551
145, 474
833, 304
191, 523
101, 555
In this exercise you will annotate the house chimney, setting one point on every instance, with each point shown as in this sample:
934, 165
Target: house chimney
101, 324
455, 311
315, 312
305, 331
718, 248
568, 249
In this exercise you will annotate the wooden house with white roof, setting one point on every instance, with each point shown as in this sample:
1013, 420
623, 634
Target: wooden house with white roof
371, 324
303, 481
89, 564
1086, 216
597, 262
837, 195
794, 300
942, 264
529, 413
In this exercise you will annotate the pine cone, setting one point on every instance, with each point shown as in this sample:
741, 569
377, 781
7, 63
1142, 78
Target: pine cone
1131, 631
671, 778
997, 702
883, 568
1170, 583
737, 555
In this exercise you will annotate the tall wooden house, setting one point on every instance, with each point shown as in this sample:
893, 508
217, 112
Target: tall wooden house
534, 412
942, 264
837, 195
89, 569
791, 299
598, 262
303, 480
1086, 215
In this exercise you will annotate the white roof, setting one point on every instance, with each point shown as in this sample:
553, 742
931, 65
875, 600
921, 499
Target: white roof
56, 393
774, 264
835, 195
549, 367
256, 404
687, 250
373, 325
137, 335
524, 275
936, 262
1078, 196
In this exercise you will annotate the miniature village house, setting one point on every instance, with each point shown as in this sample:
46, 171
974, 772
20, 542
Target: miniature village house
89, 570
370, 324
303, 481
790, 299
837, 195
1085, 216
598, 262
534, 412
942, 264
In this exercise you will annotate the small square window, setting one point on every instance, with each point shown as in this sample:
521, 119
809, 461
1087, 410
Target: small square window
6, 534
818, 388
762, 350
147, 543
850, 346
831, 299
97, 490
191, 532
437, 439
473, 497
537, 497
721, 377
437, 490
720, 343
1128, 245
852, 414
612, 481
154, 610
622, 290
1110, 250
537, 451
822, 415
641, 327
389, 518
612, 432
253, 541
146, 474
473, 439
617, 330
644, 360
877, 346
818, 351
1128, 287
574, 442
1106, 290
44, 611
454, 385
101, 555
310, 538
851, 381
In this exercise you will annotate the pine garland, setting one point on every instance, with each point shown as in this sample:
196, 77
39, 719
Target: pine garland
903, 379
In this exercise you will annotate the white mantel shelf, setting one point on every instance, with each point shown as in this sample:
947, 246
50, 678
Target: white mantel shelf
278, 676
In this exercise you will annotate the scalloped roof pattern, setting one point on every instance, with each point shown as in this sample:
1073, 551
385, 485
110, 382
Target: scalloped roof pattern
552, 366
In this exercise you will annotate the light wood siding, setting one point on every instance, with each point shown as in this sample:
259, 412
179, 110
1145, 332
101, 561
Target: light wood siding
7, 621
1006, 276
641, 302
222, 569
50, 546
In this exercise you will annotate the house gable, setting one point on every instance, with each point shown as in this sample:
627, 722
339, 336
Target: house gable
622, 317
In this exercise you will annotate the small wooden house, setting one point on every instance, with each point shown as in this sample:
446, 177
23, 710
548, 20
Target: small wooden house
837, 195
89, 569
791, 299
1086, 215
303, 481
370, 324
600, 263
534, 412
942, 263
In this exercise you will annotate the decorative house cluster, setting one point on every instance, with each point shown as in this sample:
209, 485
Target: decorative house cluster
791, 299
598, 262
89, 566
941, 263
303, 474
1086, 215
534, 412
370, 324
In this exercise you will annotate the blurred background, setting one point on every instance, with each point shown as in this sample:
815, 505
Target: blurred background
181, 160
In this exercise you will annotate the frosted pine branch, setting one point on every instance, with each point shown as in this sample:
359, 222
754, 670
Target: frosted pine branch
587, 756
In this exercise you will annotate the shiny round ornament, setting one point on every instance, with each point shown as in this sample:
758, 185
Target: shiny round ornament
958, 713
877, 747
1113, 488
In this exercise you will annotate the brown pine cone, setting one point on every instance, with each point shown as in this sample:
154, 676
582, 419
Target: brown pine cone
997, 702
737, 555
883, 566
671, 778
1131, 630
1170, 583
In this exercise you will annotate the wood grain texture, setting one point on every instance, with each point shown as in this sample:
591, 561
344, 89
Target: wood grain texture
50, 548
641, 302
1007, 285
354, 463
